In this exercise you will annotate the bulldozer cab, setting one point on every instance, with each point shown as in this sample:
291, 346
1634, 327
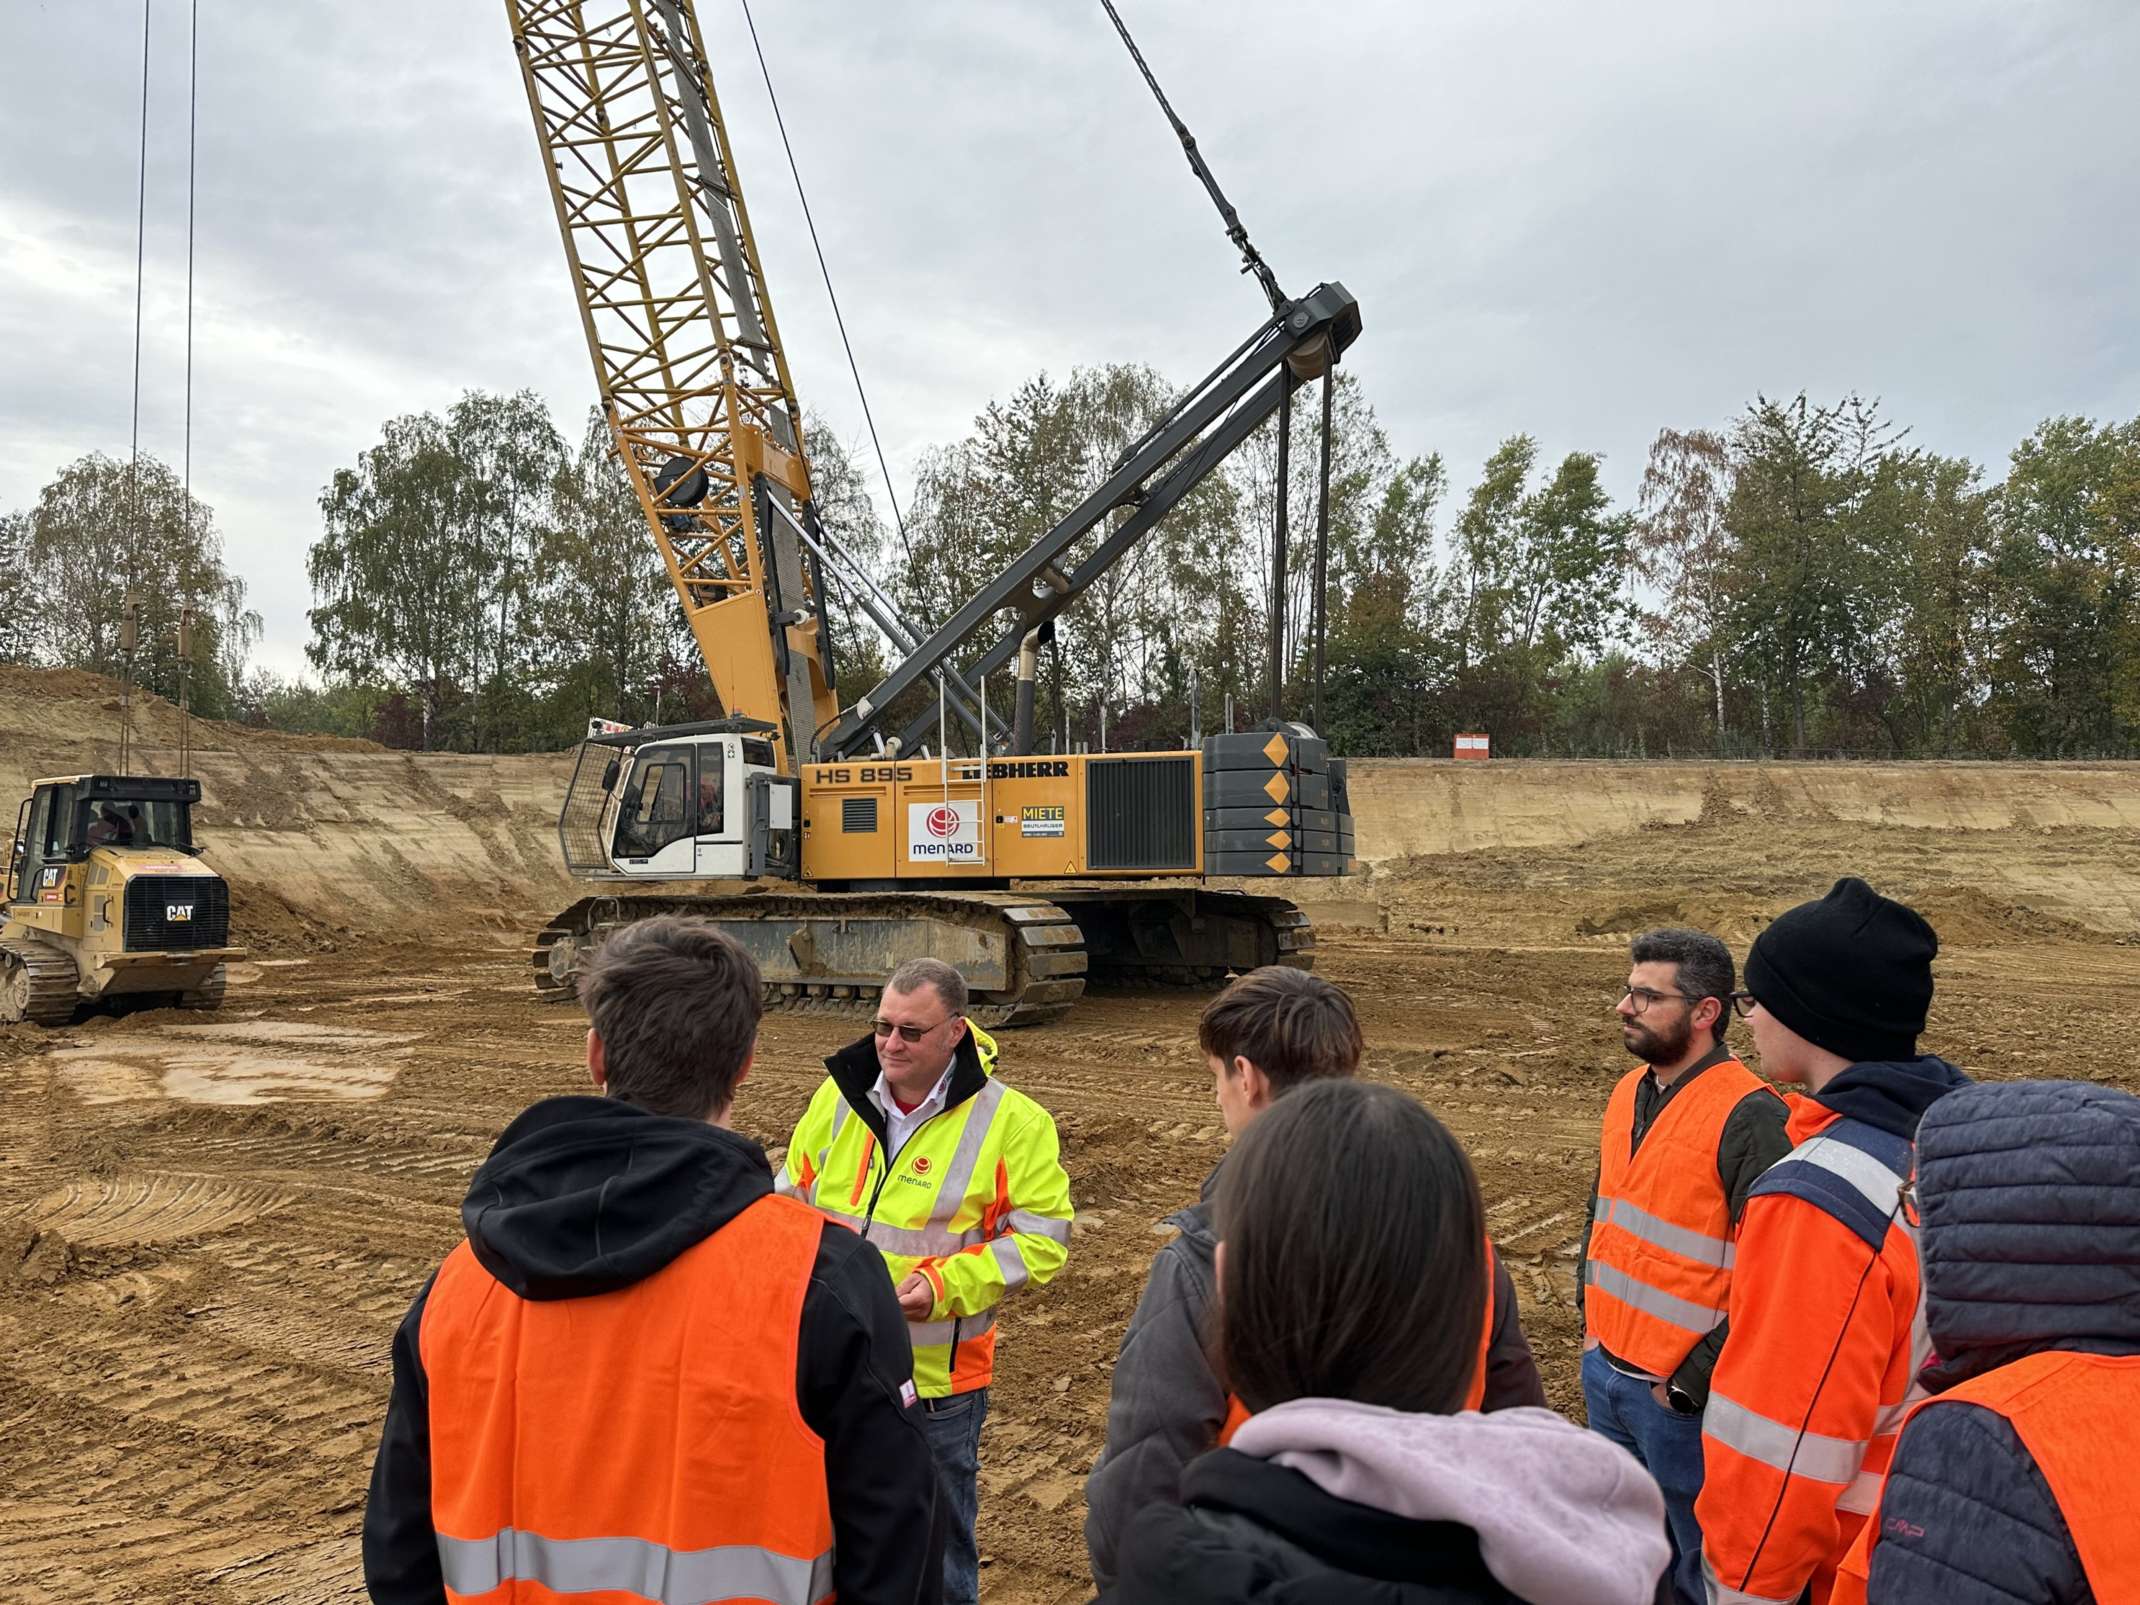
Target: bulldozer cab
64, 820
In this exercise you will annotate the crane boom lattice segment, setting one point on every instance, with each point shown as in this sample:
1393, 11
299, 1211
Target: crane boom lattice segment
673, 303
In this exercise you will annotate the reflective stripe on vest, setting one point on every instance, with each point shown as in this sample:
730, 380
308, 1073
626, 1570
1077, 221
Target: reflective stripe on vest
476, 1566
1662, 1245
2078, 1416
1853, 1173
548, 1429
1474, 1395
864, 1193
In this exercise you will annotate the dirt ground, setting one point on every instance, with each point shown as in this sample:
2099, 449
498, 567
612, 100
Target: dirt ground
209, 1227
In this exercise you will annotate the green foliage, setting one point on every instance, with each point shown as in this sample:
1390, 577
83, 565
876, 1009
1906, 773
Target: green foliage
103, 527
1800, 579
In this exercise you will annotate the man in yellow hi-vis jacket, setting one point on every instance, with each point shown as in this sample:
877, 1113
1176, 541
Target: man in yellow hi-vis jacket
958, 1181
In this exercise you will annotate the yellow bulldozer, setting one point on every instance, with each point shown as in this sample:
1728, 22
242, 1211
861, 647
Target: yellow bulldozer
108, 901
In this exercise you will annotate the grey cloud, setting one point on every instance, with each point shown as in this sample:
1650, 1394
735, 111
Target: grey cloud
1585, 222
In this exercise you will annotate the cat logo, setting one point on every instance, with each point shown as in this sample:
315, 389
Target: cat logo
177, 913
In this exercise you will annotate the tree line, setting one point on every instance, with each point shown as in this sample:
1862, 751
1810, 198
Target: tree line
1801, 579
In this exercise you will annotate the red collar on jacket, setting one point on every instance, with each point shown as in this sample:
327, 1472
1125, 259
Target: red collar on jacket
1809, 1117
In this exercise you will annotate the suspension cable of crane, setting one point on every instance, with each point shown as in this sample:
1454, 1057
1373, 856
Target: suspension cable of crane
193, 122
898, 518
1251, 260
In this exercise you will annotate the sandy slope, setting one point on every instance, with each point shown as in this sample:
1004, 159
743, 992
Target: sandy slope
209, 1227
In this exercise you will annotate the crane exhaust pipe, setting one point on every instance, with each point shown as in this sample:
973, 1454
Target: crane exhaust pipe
1028, 673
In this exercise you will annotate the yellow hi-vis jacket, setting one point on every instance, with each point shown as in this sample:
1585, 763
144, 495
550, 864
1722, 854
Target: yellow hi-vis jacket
977, 1200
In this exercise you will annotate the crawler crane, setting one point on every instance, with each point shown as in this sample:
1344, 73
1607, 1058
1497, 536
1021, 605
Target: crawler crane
833, 847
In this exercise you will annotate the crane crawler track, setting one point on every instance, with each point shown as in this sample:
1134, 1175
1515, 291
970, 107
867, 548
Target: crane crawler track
828, 952
38, 984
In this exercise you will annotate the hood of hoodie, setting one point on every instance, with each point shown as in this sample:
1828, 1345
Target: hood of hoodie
586, 1195
1890, 1095
1563, 1517
2029, 1223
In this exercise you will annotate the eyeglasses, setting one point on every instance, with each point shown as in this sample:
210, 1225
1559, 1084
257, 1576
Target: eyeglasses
1743, 1003
908, 1033
1642, 997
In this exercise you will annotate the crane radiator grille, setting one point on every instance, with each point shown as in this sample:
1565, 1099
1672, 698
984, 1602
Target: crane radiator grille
1140, 813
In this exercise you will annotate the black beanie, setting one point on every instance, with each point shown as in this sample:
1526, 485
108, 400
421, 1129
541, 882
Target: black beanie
1851, 973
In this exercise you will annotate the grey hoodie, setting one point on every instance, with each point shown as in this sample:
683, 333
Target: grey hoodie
1563, 1516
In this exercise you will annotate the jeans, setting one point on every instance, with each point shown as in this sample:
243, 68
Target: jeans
954, 1429
1668, 1444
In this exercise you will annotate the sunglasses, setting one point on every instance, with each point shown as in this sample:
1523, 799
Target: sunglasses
908, 1033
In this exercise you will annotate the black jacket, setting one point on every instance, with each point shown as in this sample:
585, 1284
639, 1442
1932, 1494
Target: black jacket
2029, 1238
587, 1195
1753, 1139
1256, 1533
1166, 1404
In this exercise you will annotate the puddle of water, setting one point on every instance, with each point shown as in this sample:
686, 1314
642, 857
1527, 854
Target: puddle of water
245, 1078
219, 1063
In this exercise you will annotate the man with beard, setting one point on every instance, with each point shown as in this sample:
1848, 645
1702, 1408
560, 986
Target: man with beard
1685, 1138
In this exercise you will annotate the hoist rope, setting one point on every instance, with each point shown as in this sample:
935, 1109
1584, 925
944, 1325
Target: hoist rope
1251, 261
193, 118
141, 214
825, 272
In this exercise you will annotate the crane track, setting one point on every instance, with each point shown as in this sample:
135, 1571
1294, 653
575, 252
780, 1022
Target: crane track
1049, 958
1042, 949
38, 984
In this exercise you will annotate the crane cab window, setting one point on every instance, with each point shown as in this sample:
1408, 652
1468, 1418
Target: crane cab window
713, 768
657, 803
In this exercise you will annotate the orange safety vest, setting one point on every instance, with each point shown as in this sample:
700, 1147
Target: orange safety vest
1658, 1279
1802, 1420
1474, 1396
573, 1455
2078, 1415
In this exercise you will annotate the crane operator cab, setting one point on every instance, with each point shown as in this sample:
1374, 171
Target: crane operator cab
681, 802
107, 898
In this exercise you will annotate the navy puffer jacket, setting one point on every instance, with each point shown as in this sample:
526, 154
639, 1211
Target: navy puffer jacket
2030, 1240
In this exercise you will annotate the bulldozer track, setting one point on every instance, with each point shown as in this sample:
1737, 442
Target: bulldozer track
38, 984
209, 994
1045, 949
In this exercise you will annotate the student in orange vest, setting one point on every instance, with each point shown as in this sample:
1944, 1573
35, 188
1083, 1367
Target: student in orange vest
1353, 1284
2015, 1482
1686, 1135
643, 1376
1270, 1032
1827, 1330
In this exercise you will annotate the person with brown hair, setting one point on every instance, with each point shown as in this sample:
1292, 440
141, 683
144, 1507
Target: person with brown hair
1351, 1269
1273, 1030
643, 1374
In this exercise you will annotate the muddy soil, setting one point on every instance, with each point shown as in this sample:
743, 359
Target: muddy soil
209, 1227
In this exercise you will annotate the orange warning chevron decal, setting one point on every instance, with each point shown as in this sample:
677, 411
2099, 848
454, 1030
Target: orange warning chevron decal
1279, 838
1277, 816
1278, 788
1278, 863
1275, 749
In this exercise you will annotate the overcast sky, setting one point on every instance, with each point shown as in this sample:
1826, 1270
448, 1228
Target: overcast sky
1582, 221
